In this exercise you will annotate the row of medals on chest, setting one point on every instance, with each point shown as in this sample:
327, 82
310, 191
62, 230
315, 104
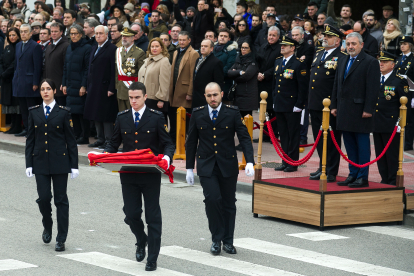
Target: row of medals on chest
330, 64
130, 63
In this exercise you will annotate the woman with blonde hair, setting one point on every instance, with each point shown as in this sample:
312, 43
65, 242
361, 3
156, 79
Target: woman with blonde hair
155, 75
391, 41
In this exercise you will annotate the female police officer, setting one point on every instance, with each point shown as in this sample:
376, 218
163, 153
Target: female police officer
51, 153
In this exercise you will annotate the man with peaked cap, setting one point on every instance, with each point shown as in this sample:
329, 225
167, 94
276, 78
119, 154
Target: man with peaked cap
322, 79
393, 87
289, 98
128, 59
404, 66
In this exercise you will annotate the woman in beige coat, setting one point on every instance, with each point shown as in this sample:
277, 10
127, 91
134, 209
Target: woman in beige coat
155, 74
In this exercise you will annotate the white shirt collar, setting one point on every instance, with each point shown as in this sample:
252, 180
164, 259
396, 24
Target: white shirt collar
407, 55
44, 44
210, 110
329, 52
386, 76
141, 112
129, 48
174, 43
56, 42
51, 105
103, 43
288, 58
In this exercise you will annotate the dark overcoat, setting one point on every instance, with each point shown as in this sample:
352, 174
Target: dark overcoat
101, 79
227, 57
6, 74
357, 93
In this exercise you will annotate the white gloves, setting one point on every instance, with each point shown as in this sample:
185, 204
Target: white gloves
190, 177
249, 170
29, 172
166, 157
412, 103
399, 129
295, 109
74, 173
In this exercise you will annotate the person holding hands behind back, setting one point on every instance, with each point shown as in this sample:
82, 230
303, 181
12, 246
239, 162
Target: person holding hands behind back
51, 153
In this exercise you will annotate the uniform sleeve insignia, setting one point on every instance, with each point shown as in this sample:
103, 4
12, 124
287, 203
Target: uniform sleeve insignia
320, 50
315, 59
166, 128
277, 67
243, 121
303, 72
344, 53
406, 89
70, 123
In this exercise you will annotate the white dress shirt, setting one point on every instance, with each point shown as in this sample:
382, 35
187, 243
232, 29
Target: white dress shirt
210, 110
141, 112
386, 76
329, 52
51, 105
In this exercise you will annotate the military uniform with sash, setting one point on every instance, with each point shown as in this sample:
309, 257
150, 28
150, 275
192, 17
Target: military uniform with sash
127, 67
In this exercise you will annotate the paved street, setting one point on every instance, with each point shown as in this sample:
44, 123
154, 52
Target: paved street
100, 243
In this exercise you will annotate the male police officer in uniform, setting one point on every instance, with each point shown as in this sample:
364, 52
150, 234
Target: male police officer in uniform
393, 87
320, 87
212, 128
129, 59
289, 98
142, 128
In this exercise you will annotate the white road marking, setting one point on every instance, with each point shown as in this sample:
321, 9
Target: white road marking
118, 264
391, 231
10, 264
221, 262
2, 219
316, 258
317, 236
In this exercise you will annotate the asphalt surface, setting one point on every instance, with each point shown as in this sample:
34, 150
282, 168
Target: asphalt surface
96, 225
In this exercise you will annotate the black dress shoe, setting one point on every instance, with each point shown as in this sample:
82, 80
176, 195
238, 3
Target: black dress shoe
331, 178
315, 173
215, 248
359, 183
408, 148
229, 248
347, 181
21, 134
140, 254
82, 141
151, 266
96, 144
315, 176
281, 168
290, 169
60, 246
303, 142
103, 146
46, 236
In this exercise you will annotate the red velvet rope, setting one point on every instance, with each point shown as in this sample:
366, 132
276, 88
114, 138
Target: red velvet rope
188, 115
284, 156
369, 163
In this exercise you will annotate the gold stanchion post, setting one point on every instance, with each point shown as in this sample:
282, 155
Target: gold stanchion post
180, 141
248, 121
3, 121
403, 122
262, 118
325, 126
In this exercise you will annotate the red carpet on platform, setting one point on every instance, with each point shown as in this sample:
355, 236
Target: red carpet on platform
313, 185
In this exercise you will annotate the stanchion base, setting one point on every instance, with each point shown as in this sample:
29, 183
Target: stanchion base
179, 157
399, 180
257, 174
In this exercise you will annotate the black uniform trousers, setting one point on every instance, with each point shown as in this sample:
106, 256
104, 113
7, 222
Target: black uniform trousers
60, 183
132, 192
220, 201
24, 104
172, 114
288, 124
332, 157
388, 164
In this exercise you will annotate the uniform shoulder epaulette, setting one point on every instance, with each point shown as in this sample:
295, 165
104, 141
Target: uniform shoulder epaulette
320, 50
156, 111
345, 53
279, 57
123, 112
299, 59
198, 108
64, 107
401, 77
232, 106
33, 107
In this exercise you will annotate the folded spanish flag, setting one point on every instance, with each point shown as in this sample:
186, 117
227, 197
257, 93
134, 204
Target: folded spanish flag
144, 156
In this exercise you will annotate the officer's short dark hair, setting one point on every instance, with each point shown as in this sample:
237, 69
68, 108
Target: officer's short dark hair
312, 4
71, 12
156, 11
185, 33
373, 15
347, 6
60, 26
242, 4
114, 18
50, 82
138, 86
225, 30
119, 26
48, 30
169, 36
214, 33
256, 15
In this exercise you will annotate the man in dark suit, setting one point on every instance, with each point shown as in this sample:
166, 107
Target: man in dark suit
208, 69
320, 87
354, 97
212, 128
290, 87
27, 73
142, 128
370, 43
101, 103
393, 87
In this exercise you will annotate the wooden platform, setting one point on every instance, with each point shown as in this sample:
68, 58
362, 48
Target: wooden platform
299, 199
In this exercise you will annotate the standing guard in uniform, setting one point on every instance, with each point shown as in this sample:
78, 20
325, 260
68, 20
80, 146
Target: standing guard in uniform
141, 128
289, 98
129, 59
51, 153
320, 87
393, 87
212, 128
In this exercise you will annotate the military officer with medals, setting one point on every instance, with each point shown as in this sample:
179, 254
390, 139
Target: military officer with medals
129, 59
51, 154
289, 90
322, 79
140, 128
393, 87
